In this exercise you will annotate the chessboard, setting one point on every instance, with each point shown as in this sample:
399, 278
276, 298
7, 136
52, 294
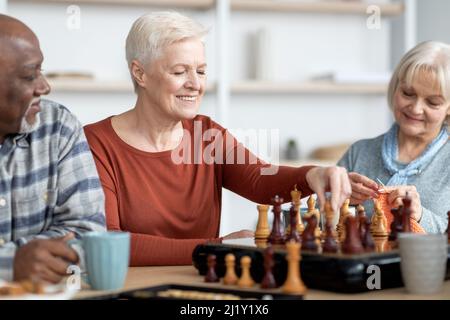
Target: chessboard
356, 254
347, 273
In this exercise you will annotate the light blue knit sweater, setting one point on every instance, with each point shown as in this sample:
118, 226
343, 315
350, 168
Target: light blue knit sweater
433, 183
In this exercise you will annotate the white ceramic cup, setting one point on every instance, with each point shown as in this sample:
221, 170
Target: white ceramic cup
423, 261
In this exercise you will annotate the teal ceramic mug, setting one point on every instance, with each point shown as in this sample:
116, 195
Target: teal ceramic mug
105, 256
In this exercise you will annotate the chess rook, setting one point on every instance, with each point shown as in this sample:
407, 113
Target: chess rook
262, 227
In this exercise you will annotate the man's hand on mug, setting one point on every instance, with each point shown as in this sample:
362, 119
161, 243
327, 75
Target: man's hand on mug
363, 188
398, 193
333, 179
44, 259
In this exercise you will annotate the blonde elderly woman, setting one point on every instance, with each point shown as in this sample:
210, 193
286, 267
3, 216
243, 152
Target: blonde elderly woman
414, 155
153, 160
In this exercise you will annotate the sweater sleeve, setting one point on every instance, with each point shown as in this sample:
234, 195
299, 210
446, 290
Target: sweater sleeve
252, 178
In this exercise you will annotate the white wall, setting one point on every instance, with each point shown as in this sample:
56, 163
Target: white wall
303, 45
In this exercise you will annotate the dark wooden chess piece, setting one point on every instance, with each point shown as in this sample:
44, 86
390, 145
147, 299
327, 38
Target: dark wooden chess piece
352, 243
448, 227
406, 213
396, 225
211, 275
268, 281
367, 240
308, 236
293, 231
277, 235
362, 226
330, 244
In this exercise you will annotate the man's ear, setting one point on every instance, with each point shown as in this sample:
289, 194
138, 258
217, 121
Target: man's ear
137, 71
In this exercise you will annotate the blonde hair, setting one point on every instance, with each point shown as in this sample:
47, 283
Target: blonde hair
153, 32
429, 56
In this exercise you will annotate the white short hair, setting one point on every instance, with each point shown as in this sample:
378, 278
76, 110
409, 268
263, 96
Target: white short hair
430, 57
153, 32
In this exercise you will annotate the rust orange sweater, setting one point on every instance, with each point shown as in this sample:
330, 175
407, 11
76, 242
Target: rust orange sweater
169, 208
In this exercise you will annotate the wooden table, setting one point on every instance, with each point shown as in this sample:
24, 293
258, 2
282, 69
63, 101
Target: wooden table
140, 277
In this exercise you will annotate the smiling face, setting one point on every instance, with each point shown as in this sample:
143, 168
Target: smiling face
175, 83
420, 108
21, 83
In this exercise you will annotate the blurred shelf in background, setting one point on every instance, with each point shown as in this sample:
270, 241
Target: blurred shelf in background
307, 88
332, 7
96, 86
193, 4
248, 87
338, 7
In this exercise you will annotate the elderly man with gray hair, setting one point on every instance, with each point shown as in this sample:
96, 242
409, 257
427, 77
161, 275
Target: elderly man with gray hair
49, 186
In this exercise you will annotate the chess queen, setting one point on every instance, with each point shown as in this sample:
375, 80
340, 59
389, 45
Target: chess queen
413, 156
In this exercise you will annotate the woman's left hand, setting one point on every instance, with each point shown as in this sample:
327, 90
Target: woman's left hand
398, 193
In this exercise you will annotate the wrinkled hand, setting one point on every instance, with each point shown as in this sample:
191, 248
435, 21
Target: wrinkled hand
44, 259
239, 234
363, 188
333, 179
396, 195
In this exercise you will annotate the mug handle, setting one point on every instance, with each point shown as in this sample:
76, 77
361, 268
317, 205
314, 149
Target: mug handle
77, 246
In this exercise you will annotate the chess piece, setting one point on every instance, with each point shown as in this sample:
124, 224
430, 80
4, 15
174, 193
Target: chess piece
211, 275
293, 232
268, 281
366, 239
396, 225
277, 235
296, 196
261, 243
245, 281
308, 237
379, 222
406, 213
329, 217
381, 244
330, 244
344, 212
360, 212
230, 277
293, 283
352, 243
448, 226
312, 210
262, 227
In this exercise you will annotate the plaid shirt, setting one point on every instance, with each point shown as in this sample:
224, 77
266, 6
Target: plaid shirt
49, 184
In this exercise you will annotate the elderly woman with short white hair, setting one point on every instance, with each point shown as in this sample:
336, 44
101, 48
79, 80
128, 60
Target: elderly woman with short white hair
414, 155
168, 205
